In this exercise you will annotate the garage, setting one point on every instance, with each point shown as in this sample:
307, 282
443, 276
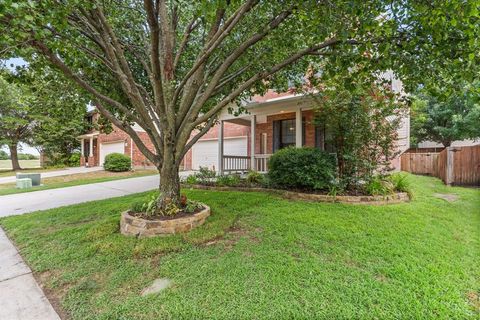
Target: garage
205, 153
111, 147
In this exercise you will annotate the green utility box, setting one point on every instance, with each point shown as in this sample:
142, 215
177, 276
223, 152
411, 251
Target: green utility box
34, 176
24, 183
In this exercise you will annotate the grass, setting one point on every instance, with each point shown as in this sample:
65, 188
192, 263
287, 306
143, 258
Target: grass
262, 257
6, 165
75, 180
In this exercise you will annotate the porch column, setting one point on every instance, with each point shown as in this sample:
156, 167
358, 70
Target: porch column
90, 152
253, 124
220, 148
298, 128
82, 148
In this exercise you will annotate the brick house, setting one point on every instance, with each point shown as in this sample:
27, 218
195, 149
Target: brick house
273, 121
95, 145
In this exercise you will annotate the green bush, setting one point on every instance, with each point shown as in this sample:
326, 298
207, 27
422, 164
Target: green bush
254, 177
4, 155
205, 176
191, 179
379, 186
400, 183
117, 162
27, 156
74, 160
230, 180
301, 168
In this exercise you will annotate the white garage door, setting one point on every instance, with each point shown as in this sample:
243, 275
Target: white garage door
205, 153
107, 148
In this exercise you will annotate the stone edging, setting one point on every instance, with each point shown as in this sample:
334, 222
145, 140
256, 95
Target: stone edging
398, 197
139, 227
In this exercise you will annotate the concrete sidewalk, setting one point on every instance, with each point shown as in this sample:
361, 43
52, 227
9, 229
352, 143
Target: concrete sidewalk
20, 296
21, 203
56, 173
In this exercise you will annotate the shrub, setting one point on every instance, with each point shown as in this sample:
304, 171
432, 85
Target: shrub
230, 180
147, 205
191, 179
401, 183
254, 177
301, 168
4, 155
379, 186
117, 162
205, 176
74, 160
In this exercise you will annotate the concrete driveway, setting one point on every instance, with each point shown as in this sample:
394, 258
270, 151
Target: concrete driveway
56, 173
21, 203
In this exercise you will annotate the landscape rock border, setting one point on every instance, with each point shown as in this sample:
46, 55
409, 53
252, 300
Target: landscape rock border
139, 227
398, 197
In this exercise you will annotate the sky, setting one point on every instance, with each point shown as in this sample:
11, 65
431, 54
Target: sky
23, 148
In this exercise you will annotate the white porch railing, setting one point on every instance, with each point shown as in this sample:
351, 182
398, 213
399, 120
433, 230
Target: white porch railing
243, 163
261, 162
236, 163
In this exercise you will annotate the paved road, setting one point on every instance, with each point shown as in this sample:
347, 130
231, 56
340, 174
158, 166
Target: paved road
21, 203
20, 296
56, 173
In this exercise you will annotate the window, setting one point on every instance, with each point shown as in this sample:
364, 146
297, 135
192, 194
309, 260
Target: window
287, 133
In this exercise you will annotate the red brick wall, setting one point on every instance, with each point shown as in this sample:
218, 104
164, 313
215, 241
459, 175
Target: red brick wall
268, 129
139, 160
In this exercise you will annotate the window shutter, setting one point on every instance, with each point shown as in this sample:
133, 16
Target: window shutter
276, 135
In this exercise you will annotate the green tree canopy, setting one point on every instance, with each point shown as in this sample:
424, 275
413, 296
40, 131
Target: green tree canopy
446, 117
16, 115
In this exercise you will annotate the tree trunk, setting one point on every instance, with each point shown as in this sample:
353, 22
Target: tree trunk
14, 156
169, 185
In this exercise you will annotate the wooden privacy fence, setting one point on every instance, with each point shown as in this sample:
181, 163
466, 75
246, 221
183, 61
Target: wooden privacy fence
454, 165
419, 163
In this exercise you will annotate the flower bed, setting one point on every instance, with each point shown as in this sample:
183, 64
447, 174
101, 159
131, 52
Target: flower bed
397, 197
132, 225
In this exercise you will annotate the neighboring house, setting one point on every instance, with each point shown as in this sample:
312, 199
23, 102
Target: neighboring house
273, 121
458, 143
95, 145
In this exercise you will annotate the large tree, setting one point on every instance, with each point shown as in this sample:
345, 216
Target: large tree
171, 65
444, 116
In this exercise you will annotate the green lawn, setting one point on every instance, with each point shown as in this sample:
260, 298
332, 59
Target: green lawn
263, 257
24, 164
75, 180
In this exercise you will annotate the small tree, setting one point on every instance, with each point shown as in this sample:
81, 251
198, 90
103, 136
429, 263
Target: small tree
61, 112
445, 116
16, 117
361, 121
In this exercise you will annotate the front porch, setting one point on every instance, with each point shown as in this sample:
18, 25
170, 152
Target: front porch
89, 149
273, 125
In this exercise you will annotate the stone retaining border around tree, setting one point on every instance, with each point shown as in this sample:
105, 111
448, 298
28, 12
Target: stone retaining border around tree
398, 197
139, 227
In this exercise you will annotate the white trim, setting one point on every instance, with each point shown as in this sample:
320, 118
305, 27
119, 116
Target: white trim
253, 124
225, 138
131, 153
115, 141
